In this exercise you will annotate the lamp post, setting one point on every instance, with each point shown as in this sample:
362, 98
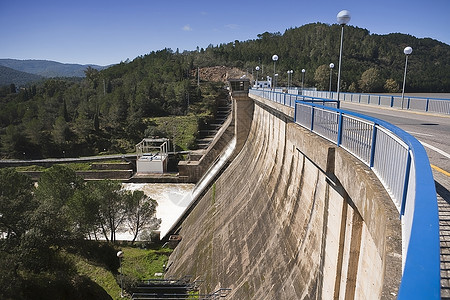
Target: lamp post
274, 58
343, 17
120, 256
289, 72
257, 71
331, 74
408, 50
275, 80
303, 78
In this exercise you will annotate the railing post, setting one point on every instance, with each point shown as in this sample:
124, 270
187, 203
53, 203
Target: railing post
312, 118
372, 148
409, 100
405, 184
392, 101
295, 112
428, 102
339, 136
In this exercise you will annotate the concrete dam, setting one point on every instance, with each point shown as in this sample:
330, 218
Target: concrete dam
291, 216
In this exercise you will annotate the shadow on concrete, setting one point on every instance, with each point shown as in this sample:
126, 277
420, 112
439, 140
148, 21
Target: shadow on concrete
443, 197
443, 192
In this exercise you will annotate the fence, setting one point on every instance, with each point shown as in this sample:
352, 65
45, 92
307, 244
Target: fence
290, 99
426, 104
401, 164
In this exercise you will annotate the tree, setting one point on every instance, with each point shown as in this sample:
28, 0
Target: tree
111, 206
13, 88
141, 211
391, 86
370, 80
16, 203
61, 132
56, 186
83, 212
322, 77
353, 88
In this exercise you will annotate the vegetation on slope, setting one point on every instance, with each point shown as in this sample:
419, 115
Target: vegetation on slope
50, 245
109, 109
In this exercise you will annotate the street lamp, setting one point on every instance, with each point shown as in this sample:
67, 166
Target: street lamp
343, 17
289, 72
120, 256
331, 74
257, 71
275, 80
408, 50
303, 77
274, 58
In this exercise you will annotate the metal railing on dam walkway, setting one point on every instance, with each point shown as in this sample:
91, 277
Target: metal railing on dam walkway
425, 104
401, 164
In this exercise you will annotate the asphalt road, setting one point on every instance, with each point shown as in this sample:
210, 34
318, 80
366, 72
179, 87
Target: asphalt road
433, 131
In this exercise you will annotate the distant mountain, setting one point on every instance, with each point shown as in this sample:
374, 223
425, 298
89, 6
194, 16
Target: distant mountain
8, 76
47, 68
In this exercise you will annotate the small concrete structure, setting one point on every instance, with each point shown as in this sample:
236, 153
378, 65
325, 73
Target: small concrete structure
263, 83
152, 156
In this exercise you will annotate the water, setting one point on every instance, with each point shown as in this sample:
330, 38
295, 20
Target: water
172, 199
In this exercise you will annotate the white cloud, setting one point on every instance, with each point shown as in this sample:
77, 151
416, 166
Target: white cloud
232, 26
187, 27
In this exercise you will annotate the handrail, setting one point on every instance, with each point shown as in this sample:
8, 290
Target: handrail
289, 99
402, 165
426, 104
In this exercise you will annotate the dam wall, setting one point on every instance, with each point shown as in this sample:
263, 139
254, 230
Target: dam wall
291, 217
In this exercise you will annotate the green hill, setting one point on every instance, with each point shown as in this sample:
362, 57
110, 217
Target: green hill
48, 68
317, 45
111, 110
10, 76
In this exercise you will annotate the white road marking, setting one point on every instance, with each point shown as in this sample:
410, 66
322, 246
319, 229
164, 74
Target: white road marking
436, 149
418, 133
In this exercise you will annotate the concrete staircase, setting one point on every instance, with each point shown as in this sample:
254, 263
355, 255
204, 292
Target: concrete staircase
207, 135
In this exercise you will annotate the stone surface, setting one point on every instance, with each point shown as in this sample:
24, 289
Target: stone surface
291, 218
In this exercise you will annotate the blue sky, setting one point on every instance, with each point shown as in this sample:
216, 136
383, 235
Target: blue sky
109, 31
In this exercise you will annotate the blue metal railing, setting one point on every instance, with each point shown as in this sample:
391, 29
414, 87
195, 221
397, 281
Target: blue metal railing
402, 165
426, 104
290, 99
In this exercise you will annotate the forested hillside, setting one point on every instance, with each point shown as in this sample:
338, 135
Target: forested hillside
46, 68
315, 46
10, 76
109, 111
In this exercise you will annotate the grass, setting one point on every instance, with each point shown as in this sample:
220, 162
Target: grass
99, 275
144, 263
181, 129
138, 264
81, 166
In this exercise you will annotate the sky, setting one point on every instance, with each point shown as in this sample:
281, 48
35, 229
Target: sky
105, 32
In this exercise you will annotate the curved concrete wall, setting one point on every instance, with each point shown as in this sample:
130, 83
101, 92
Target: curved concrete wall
292, 217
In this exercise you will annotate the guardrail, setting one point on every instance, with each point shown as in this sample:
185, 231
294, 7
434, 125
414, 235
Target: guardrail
426, 104
290, 99
402, 165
